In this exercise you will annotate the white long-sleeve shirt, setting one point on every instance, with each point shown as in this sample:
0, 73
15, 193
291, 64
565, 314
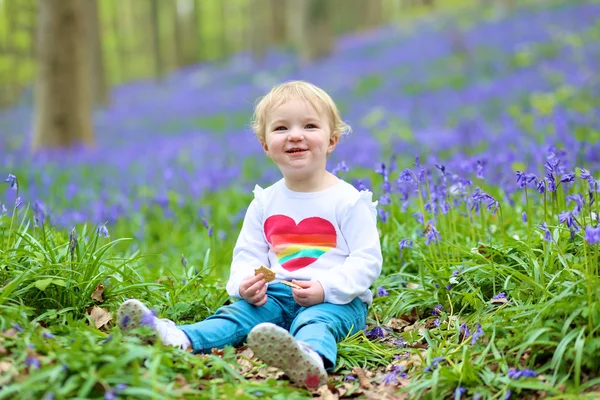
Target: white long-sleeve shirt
329, 236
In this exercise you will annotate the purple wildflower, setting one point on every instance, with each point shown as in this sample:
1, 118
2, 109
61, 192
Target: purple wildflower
32, 362
434, 364
48, 335
350, 378
385, 200
579, 201
436, 322
341, 167
465, 330
499, 296
102, 230
376, 333
383, 214
407, 176
568, 218
110, 395
479, 170
567, 178
592, 235
13, 182
478, 333
184, 261
459, 392
585, 175
381, 292
551, 183
380, 169
508, 394
392, 377
419, 217
524, 217
17, 327
547, 234
516, 374
433, 235
18, 202
541, 186
400, 343
437, 309
405, 244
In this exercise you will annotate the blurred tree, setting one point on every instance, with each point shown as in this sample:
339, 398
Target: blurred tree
278, 22
155, 28
311, 27
184, 32
63, 87
260, 37
100, 86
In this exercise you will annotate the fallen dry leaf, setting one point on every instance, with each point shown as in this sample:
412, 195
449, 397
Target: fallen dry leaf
243, 360
181, 382
412, 285
347, 388
397, 324
12, 332
5, 366
100, 316
97, 295
499, 301
3, 350
326, 394
365, 383
412, 359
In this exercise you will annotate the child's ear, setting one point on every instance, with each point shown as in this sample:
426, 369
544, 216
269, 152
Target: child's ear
333, 141
266, 149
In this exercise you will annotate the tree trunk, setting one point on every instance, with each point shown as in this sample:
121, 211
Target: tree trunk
63, 115
259, 31
278, 30
313, 32
155, 28
100, 87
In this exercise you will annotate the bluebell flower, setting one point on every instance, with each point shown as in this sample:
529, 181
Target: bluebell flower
516, 374
401, 343
18, 202
551, 183
407, 176
13, 182
541, 186
592, 235
184, 261
350, 378
392, 377
567, 178
501, 295
579, 202
479, 170
437, 309
120, 387
102, 230
585, 175
381, 292
568, 218
508, 394
436, 322
110, 395
32, 362
385, 200
441, 168
434, 364
547, 234
433, 235
17, 327
341, 167
380, 169
48, 335
465, 330
377, 332
383, 214
477, 334
459, 392
405, 244
524, 217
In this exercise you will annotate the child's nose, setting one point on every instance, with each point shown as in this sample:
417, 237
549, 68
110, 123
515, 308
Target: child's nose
296, 134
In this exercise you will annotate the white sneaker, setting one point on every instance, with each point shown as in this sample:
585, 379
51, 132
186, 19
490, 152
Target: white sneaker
133, 313
276, 347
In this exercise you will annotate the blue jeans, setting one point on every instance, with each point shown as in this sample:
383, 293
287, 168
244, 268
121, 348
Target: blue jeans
321, 326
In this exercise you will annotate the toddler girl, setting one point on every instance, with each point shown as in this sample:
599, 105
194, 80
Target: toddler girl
310, 228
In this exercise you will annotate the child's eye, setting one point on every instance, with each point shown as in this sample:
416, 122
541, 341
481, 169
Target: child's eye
311, 126
280, 128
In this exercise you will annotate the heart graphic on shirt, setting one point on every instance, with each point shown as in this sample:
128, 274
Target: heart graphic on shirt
299, 245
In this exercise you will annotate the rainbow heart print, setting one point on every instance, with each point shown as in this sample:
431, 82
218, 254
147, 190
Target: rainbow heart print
299, 245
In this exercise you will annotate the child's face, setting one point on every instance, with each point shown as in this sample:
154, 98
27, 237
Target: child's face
298, 139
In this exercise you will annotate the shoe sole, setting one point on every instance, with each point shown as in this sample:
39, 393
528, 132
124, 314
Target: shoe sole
134, 309
276, 347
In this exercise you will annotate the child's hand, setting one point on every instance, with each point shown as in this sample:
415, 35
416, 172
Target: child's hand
253, 289
311, 293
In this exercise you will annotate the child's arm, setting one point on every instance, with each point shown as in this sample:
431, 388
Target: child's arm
363, 265
250, 251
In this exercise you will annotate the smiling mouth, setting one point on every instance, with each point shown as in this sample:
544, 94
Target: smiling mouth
293, 151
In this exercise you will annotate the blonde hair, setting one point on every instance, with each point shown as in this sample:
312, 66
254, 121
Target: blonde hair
286, 91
